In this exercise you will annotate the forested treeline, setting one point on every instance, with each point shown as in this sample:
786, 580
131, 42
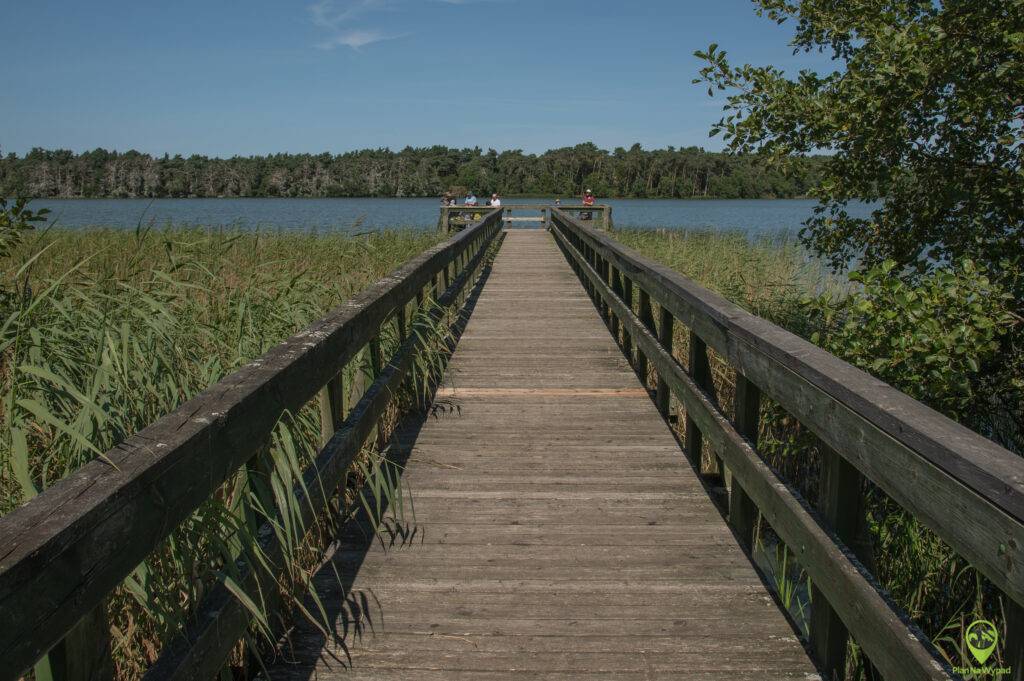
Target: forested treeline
430, 171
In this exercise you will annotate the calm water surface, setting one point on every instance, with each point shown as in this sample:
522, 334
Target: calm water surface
356, 215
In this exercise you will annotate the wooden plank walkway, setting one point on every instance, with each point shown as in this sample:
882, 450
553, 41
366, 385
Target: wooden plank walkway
559, 532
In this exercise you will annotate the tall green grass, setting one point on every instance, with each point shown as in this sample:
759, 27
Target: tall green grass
774, 278
104, 331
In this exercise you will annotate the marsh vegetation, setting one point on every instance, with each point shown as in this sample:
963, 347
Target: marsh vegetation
948, 339
106, 331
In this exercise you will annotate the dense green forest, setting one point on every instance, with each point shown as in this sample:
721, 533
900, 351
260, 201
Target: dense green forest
633, 172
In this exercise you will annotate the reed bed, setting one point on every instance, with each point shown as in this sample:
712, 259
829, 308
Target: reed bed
104, 331
773, 277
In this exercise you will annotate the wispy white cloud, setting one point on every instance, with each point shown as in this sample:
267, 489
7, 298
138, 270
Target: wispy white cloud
337, 17
357, 38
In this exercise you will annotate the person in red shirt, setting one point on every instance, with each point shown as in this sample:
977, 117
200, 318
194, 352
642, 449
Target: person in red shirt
588, 201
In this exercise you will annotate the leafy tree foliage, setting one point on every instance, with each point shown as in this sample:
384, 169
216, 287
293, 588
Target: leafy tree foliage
947, 340
634, 172
923, 113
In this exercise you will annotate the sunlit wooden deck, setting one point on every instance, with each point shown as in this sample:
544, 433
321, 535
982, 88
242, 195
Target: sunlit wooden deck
559, 531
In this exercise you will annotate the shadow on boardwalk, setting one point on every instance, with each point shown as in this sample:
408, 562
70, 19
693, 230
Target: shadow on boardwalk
359, 612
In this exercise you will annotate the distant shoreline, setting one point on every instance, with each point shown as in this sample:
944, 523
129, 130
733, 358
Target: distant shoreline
504, 197
669, 173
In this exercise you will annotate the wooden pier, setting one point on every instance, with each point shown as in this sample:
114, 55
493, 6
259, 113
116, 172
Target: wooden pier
559, 531
585, 504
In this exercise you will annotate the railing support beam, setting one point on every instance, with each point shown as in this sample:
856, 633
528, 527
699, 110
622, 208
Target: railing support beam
742, 511
663, 396
841, 506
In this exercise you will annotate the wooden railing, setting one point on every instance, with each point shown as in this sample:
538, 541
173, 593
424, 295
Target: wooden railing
63, 552
454, 218
965, 488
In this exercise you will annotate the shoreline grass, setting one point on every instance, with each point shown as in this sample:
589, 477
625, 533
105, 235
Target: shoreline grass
776, 279
105, 331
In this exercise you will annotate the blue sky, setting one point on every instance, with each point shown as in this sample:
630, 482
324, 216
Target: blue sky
257, 77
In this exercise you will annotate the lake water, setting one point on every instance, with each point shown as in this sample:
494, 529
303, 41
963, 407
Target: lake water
356, 215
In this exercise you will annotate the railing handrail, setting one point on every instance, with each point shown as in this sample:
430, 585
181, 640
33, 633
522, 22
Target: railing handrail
447, 213
66, 549
982, 465
966, 488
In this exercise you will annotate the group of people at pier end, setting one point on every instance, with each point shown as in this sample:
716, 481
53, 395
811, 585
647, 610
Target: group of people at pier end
495, 201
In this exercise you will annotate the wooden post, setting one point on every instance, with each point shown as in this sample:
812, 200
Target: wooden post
84, 654
841, 506
616, 286
376, 366
742, 511
663, 395
1013, 651
700, 371
376, 362
608, 224
647, 318
595, 264
332, 408
401, 324
606, 311
446, 218
627, 337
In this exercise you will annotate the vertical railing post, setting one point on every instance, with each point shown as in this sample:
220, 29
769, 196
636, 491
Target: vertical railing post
662, 397
595, 264
627, 298
1013, 651
332, 407
400, 322
84, 654
606, 311
700, 371
841, 507
446, 217
647, 318
616, 286
742, 511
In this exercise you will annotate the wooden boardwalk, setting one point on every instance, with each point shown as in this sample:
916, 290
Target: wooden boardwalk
559, 531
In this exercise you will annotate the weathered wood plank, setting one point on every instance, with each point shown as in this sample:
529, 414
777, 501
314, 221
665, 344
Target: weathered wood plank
551, 516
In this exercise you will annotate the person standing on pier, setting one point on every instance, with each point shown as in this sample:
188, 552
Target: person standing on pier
472, 201
588, 202
495, 201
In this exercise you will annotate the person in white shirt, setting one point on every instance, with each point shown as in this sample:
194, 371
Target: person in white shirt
495, 201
